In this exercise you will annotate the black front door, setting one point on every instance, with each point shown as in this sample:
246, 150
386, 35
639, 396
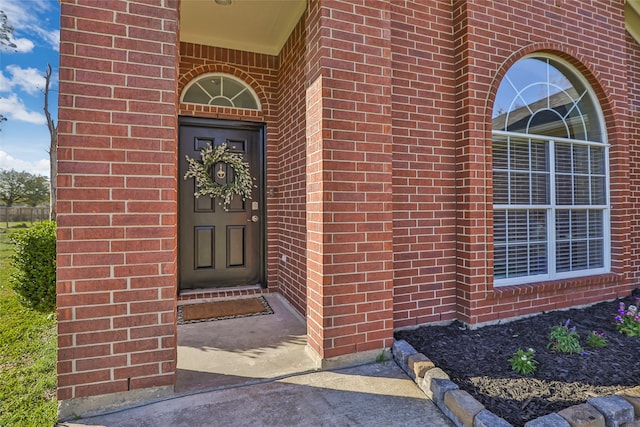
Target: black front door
218, 247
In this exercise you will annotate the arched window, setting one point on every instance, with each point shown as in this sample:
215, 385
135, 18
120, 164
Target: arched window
221, 90
550, 175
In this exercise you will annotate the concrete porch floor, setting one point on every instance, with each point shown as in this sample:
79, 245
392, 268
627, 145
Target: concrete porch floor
254, 371
243, 350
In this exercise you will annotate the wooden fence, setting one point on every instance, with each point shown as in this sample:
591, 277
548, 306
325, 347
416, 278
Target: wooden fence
23, 213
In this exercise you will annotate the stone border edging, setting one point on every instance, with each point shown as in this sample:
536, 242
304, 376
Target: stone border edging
465, 411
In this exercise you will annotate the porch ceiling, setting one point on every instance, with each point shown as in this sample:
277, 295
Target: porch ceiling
261, 26
632, 18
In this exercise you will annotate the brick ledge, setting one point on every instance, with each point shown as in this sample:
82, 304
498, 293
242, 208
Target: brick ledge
616, 410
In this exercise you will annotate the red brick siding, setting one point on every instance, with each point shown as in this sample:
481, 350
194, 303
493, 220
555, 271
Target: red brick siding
424, 191
116, 196
349, 209
290, 165
633, 72
490, 36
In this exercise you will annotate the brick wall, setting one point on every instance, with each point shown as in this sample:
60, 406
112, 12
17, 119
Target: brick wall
349, 209
290, 165
633, 72
489, 37
423, 118
116, 196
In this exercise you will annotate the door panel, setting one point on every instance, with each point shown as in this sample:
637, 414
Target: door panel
219, 248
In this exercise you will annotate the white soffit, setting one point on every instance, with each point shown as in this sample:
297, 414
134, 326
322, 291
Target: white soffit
632, 18
261, 26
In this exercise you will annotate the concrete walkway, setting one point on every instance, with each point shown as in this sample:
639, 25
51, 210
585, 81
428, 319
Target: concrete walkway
255, 371
378, 394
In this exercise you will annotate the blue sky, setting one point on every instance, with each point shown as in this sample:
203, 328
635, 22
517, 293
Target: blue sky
24, 137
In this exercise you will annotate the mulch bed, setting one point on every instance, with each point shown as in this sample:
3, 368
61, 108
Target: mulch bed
477, 361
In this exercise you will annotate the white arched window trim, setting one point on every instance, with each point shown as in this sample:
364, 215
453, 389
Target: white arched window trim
541, 229
226, 93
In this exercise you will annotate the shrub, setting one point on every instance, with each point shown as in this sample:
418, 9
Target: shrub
523, 361
596, 340
564, 339
628, 319
34, 279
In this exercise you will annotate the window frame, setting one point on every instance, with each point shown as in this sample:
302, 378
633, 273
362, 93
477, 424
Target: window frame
553, 206
246, 87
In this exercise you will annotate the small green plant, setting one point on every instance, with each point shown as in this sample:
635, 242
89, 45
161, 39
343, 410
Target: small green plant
596, 339
564, 339
34, 279
628, 319
523, 361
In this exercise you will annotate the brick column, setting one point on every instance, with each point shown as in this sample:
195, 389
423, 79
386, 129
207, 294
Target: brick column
116, 201
473, 171
349, 209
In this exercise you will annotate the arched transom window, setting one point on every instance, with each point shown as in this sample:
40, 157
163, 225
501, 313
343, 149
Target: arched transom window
220, 90
550, 175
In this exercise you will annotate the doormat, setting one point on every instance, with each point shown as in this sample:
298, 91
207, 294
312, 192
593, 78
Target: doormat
219, 310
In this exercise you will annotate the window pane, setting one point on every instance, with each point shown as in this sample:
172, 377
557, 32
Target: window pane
519, 152
581, 190
538, 259
539, 189
563, 229
596, 254
563, 158
499, 227
196, 95
211, 85
245, 100
500, 188
579, 255
520, 188
564, 187
537, 225
596, 228
597, 160
598, 196
517, 226
578, 225
500, 154
500, 262
518, 261
539, 156
580, 158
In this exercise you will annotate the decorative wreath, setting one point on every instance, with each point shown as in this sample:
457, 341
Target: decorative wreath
202, 172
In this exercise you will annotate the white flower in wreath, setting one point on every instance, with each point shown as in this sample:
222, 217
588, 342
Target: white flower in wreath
241, 185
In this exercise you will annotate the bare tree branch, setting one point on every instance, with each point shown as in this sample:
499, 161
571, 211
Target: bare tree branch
53, 147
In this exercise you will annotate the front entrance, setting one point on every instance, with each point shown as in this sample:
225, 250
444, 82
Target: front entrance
218, 247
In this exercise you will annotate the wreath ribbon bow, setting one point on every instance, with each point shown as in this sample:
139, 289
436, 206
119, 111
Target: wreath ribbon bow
201, 171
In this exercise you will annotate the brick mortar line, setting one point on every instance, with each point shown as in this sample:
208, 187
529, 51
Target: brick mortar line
463, 410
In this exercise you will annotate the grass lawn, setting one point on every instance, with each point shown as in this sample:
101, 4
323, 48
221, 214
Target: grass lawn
27, 353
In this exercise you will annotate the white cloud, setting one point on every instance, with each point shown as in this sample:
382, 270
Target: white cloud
28, 19
36, 166
30, 80
14, 109
24, 14
22, 46
52, 37
5, 83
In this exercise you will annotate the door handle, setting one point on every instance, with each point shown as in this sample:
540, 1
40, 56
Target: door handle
254, 218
